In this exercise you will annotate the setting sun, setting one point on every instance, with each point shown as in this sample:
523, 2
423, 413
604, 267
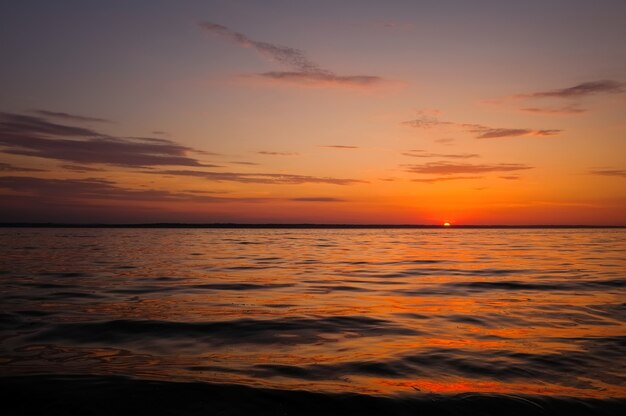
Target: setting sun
446, 224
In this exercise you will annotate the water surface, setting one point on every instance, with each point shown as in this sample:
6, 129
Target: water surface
537, 312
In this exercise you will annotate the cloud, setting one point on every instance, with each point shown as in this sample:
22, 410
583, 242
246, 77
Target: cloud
571, 94
321, 79
7, 167
493, 133
610, 172
445, 168
446, 141
445, 178
287, 56
581, 90
266, 178
480, 131
99, 189
340, 146
302, 69
558, 111
70, 117
80, 168
237, 162
35, 136
510, 177
317, 199
267, 153
18, 124
423, 154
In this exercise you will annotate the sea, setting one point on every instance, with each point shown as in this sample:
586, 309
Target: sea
312, 321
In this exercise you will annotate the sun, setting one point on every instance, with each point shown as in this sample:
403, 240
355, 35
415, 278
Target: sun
446, 224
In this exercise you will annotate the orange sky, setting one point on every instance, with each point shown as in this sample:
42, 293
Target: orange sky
288, 113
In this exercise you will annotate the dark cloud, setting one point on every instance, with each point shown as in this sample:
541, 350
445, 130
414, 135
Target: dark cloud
98, 189
290, 57
22, 125
303, 70
70, 117
35, 136
267, 178
581, 90
445, 178
340, 146
268, 153
317, 199
610, 172
491, 133
423, 154
7, 167
445, 168
480, 131
509, 177
80, 168
321, 78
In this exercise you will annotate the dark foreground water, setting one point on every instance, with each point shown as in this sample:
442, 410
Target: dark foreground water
187, 321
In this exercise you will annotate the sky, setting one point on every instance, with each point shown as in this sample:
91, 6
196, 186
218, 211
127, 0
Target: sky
386, 112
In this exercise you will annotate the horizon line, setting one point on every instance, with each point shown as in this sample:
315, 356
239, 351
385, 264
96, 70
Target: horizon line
294, 225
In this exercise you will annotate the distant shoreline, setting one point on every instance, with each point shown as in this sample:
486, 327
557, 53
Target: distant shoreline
298, 226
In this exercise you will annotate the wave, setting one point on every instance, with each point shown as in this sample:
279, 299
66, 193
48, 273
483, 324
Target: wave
289, 331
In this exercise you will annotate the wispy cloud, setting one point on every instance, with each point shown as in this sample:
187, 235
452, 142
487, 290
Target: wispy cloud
302, 69
480, 131
445, 140
266, 178
340, 146
571, 95
552, 111
99, 189
7, 167
81, 168
445, 168
424, 154
580, 90
321, 79
269, 153
240, 162
610, 172
510, 177
494, 133
317, 199
70, 117
35, 136
445, 178
19, 125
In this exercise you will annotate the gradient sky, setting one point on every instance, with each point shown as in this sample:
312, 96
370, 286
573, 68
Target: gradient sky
413, 112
